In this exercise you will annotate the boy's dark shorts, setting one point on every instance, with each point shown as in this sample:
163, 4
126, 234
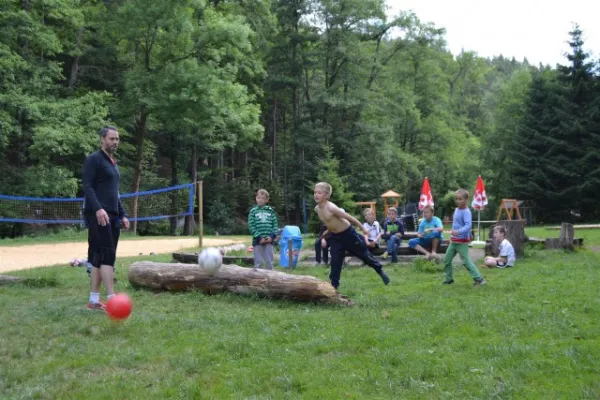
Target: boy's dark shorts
103, 240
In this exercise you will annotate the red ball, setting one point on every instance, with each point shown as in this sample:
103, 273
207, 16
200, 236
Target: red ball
119, 306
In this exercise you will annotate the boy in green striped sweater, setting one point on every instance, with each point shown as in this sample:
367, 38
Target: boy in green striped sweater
262, 222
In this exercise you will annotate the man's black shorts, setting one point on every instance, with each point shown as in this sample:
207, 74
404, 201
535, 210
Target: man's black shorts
103, 240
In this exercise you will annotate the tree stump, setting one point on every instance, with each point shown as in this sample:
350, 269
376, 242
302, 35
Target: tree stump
235, 279
515, 234
566, 240
567, 234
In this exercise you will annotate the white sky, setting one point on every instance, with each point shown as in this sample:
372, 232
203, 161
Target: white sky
534, 29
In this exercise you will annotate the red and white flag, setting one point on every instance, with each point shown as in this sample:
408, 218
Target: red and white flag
426, 197
479, 198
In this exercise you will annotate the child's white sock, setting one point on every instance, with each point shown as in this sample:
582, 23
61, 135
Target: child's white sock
109, 296
94, 297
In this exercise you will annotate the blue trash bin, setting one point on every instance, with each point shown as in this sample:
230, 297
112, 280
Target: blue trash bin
293, 233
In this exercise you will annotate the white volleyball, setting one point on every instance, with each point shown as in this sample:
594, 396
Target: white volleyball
210, 259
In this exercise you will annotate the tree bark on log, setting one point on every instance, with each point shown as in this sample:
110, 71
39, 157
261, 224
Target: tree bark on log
192, 258
231, 278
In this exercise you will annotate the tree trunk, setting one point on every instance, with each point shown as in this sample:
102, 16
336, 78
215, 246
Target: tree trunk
23, 41
231, 278
75, 64
274, 140
140, 130
188, 227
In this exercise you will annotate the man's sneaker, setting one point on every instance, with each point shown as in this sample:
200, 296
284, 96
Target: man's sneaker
448, 282
96, 306
479, 282
384, 255
384, 277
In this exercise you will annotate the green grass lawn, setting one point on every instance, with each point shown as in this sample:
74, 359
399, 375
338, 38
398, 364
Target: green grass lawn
532, 332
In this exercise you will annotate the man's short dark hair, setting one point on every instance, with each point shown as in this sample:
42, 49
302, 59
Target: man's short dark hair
102, 132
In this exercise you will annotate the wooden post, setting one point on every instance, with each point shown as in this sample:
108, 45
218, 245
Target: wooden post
200, 205
290, 254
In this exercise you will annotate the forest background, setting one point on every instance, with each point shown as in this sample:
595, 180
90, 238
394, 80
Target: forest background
281, 94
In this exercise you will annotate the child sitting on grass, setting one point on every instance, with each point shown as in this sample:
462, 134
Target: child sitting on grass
506, 259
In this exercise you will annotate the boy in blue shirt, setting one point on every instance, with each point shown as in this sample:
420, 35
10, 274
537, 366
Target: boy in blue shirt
393, 230
460, 239
429, 234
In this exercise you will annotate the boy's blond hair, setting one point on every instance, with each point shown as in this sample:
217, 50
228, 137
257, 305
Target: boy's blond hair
393, 209
264, 192
463, 193
366, 211
326, 187
428, 207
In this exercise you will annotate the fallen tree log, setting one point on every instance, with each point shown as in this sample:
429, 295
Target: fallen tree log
9, 279
235, 279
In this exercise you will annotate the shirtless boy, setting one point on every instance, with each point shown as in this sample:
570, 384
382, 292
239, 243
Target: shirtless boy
342, 237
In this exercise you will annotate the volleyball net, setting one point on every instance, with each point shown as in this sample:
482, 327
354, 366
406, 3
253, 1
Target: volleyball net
152, 205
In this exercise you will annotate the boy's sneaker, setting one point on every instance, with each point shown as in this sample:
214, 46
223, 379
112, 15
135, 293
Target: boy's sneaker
479, 282
384, 277
384, 255
316, 264
448, 282
96, 306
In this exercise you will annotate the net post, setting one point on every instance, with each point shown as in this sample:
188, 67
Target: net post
200, 223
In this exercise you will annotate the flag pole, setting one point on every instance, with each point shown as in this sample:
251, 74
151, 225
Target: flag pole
478, 241
479, 225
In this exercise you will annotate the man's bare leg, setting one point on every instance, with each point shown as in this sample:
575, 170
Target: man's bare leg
94, 303
95, 280
108, 278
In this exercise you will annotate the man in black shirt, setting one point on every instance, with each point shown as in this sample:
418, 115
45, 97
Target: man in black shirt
103, 213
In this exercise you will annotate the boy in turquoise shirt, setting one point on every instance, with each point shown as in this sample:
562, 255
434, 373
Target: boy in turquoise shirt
429, 234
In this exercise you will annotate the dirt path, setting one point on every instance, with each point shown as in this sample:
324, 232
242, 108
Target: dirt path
15, 258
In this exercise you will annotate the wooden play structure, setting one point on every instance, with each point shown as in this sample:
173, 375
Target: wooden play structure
394, 199
510, 206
